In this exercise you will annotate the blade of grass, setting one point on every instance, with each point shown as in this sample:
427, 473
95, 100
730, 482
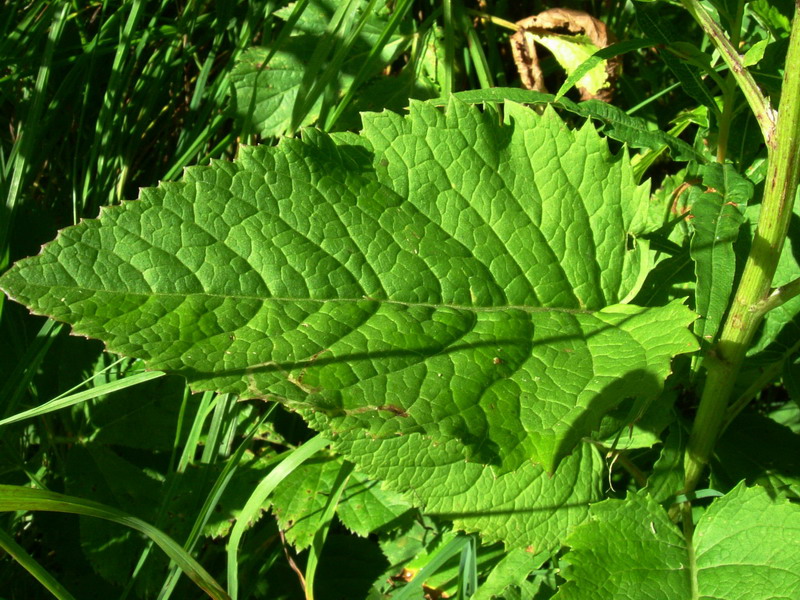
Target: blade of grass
73, 399
496, 61
27, 562
468, 571
479, 62
315, 78
653, 98
598, 57
207, 403
398, 15
324, 526
255, 503
221, 419
14, 498
29, 132
413, 589
176, 467
104, 172
28, 366
449, 48
213, 497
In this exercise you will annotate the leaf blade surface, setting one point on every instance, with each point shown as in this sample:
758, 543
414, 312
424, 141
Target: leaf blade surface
744, 547
442, 273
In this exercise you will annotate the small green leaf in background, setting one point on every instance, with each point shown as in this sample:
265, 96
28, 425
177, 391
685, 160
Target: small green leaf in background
666, 480
512, 572
302, 76
742, 454
718, 212
775, 16
366, 507
744, 547
264, 95
300, 498
756, 52
99, 473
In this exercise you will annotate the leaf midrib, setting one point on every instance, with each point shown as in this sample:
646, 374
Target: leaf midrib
486, 309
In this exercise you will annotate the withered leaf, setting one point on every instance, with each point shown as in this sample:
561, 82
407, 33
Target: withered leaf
571, 36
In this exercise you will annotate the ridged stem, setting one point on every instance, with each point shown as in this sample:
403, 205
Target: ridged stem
725, 360
760, 106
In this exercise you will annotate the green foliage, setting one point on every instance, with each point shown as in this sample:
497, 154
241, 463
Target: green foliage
524, 507
743, 527
326, 276
364, 508
385, 341
717, 215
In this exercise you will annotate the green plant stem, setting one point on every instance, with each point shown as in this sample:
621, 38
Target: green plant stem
492, 19
746, 312
729, 90
779, 296
760, 106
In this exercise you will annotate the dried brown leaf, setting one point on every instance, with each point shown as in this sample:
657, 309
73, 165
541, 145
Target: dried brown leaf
563, 22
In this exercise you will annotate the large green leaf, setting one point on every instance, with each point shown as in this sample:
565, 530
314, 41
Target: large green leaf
616, 123
744, 547
443, 273
525, 508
